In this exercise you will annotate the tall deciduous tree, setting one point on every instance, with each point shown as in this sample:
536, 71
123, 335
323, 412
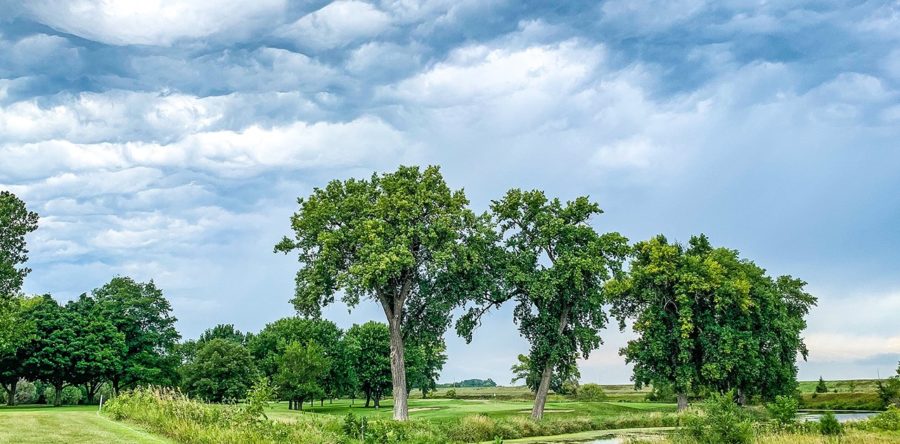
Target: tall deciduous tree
143, 315
555, 269
49, 353
391, 238
98, 348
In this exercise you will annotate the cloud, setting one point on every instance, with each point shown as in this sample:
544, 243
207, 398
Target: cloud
153, 22
337, 24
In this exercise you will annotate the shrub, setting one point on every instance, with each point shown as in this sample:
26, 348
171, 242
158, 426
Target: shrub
661, 393
887, 420
26, 392
71, 395
720, 420
829, 425
821, 387
591, 392
451, 394
784, 410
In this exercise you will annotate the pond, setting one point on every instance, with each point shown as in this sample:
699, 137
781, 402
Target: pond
841, 416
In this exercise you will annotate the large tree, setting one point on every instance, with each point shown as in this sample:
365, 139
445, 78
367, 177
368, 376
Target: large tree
98, 348
563, 382
50, 353
707, 319
555, 268
221, 370
143, 315
393, 238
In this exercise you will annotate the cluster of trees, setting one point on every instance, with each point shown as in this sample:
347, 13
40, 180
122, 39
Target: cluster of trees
706, 318
306, 359
469, 383
889, 390
709, 320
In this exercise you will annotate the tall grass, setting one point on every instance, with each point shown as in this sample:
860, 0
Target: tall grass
170, 413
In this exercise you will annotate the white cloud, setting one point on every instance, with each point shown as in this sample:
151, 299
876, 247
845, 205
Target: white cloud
152, 22
838, 347
337, 24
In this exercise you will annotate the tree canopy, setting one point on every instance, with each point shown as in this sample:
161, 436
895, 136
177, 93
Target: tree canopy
221, 370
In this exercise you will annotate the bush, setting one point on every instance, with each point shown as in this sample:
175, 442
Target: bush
26, 392
887, 420
784, 410
661, 393
829, 425
821, 387
720, 420
591, 392
451, 394
71, 395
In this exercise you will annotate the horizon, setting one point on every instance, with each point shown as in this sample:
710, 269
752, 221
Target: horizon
173, 147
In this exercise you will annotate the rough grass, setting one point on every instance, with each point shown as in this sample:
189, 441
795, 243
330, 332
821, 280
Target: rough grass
80, 424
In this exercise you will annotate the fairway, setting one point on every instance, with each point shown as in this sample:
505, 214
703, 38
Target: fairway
81, 425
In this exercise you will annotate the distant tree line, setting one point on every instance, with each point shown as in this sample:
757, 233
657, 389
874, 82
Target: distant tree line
469, 383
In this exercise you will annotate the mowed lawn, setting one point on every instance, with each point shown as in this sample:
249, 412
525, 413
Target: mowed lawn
449, 409
76, 424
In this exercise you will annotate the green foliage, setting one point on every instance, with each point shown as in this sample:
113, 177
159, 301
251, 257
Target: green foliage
451, 394
221, 371
563, 382
590, 392
661, 393
821, 387
258, 398
723, 323
554, 265
26, 392
829, 425
301, 372
889, 390
784, 410
15, 223
720, 421
140, 313
369, 348
470, 383
69, 395
886, 420
398, 238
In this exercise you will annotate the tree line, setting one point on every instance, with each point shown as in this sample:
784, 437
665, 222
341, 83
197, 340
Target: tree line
706, 319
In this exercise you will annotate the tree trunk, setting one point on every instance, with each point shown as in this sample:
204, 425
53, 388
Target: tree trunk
741, 398
398, 369
57, 399
300, 404
321, 403
368, 398
11, 393
540, 397
682, 401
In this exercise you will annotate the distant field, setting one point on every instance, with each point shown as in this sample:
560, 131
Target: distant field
77, 424
621, 392
858, 394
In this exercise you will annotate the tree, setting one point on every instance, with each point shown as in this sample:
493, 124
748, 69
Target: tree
889, 390
188, 349
49, 353
15, 223
20, 330
369, 346
424, 362
707, 319
302, 370
563, 382
269, 346
393, 238
555, 269
97, 348
143, 315
821, 387
222, 370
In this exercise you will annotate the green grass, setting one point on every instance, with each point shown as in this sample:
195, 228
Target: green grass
450, 409
858, 394
76, 424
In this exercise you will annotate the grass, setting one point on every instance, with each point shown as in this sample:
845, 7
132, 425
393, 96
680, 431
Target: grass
856, 394
76, 424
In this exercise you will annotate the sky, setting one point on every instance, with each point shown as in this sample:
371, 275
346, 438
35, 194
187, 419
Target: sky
169, 140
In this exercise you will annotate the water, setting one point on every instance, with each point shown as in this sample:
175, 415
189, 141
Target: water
841, 417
